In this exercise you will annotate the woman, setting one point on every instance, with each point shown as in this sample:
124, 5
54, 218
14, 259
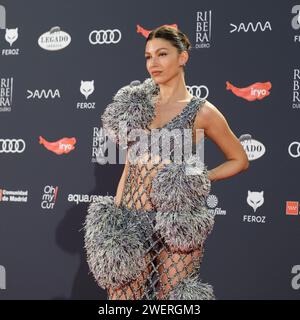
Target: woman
147, 242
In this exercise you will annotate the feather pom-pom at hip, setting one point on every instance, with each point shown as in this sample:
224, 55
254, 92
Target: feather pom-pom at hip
114, 243
173, 189
186, 230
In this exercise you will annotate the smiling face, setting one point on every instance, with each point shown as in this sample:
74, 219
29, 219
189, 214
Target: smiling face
162, 56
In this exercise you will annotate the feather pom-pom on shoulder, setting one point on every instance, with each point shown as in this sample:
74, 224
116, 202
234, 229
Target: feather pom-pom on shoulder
132, 105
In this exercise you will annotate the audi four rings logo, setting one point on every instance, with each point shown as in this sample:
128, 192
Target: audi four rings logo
105, 36
198, 91
12, 145
294, 149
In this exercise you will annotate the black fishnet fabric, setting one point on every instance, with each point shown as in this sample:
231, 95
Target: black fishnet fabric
165, 267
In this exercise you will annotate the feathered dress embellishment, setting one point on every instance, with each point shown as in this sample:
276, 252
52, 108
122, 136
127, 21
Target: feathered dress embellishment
133, 106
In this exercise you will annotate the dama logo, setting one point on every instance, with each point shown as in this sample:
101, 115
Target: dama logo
64, 145
43, 94
292, 208
146, 32
2, 278
296, 279
256, 91
251, 26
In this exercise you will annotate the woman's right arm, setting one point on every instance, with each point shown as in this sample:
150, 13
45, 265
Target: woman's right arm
121, 184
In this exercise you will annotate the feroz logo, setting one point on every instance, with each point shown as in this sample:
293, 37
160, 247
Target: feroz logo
105, 36
255, 200
11, 34
86, 89
2, 278
292, 208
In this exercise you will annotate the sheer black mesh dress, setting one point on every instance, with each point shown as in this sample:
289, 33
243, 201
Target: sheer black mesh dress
150, 247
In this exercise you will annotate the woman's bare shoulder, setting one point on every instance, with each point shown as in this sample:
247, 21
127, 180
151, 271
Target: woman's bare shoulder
206, 114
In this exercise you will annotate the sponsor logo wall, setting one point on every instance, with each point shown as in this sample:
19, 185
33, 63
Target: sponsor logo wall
59, 69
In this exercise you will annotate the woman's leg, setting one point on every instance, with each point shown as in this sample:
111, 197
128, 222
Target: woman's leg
135, 289
173, 266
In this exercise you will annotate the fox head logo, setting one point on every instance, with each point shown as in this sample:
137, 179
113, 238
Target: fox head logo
87, 88
11, 35
255, 199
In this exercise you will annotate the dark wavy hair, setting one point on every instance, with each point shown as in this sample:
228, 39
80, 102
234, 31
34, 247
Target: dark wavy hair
177, 38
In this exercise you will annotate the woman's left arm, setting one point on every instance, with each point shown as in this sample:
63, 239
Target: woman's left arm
217, 129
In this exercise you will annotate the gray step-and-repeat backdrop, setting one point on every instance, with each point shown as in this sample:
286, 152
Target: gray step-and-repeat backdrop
60, 64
